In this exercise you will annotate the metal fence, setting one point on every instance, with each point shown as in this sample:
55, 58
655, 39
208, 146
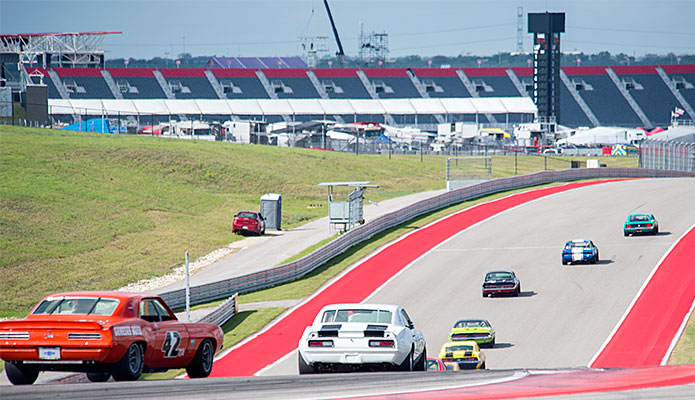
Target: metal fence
296, 269
667, 155
223, 312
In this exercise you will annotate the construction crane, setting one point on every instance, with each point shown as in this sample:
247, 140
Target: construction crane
340, 54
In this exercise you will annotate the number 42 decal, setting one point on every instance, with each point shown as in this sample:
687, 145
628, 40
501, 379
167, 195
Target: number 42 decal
171, 344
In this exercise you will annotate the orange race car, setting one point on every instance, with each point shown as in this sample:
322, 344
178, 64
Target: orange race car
105, 334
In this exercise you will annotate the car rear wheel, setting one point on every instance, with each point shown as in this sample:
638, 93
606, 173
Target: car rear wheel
656, 231
304, 368
625, 233
407, 364
421, 364
98, 376
201, 364
564, 262
20, 374
596, 258
130, 366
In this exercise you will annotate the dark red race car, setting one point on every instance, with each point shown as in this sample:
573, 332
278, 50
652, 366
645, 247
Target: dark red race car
105, 334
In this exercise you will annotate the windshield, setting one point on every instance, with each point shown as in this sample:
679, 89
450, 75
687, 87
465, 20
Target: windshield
77, 305
459, 347
357, 315
639, 218
471, 324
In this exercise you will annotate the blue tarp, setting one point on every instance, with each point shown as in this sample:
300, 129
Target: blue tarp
92, 125
383, 139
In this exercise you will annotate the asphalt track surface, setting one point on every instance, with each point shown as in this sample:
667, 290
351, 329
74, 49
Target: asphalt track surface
565, 313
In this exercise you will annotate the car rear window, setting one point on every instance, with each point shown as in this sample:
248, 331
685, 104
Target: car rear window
498, 275
77, 305
246, 215
470, 324
639, 218
357, 315
459, 348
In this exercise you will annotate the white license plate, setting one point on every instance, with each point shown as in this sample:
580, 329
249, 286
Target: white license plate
353, 359
577, 257
49, 353
245, 227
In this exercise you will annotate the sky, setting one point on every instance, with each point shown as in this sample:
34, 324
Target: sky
415, 27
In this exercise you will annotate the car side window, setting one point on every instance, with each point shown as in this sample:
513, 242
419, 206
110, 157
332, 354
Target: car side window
161, 310
407, 320
148, 311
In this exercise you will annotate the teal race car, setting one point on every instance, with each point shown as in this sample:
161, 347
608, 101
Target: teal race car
641, 223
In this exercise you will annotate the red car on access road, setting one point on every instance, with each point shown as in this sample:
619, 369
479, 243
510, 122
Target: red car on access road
249, 222
105, 334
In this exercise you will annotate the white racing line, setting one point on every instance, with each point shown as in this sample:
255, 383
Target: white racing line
637, 296
518, 374
331, 282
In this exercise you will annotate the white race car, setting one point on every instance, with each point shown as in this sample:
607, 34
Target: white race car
352, 337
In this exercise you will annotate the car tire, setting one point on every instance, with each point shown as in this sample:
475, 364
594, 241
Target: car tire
517, 291
20, 374
483, 366
492, 344
484, 294
421, 364
625, 233
408, 364
596, 258
98, 376
129, 368
656, 231
564, 262
303, 367
201, 364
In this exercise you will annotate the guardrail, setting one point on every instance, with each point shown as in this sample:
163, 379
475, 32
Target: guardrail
298, 268
223, 312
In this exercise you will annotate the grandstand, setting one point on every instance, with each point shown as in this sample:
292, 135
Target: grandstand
591, 95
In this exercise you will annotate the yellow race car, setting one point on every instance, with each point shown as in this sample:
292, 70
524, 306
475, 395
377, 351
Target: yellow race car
462, 354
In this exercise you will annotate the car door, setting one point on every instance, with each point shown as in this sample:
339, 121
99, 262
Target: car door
171, 336
416, 336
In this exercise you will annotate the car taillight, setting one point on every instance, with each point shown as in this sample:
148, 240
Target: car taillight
469, 359
381, 343
320, 343
629, 226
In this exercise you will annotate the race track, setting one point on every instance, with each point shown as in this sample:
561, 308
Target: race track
565, 313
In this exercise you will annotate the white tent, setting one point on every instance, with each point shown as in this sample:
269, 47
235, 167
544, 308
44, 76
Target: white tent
337, 106
112, 107
244, 107
306, 107
398, 106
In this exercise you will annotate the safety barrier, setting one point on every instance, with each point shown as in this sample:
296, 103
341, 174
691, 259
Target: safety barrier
296, 269
223, 312
668, 155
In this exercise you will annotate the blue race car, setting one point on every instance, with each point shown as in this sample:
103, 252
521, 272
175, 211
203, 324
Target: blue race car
579, 250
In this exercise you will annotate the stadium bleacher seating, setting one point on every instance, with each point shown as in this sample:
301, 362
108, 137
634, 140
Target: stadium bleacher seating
344, 78
604, 99
593, 84
291, 83
391, 83
245, 80
84, 83
684, 78
649, 91
444, 78
189, 83
137, 83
